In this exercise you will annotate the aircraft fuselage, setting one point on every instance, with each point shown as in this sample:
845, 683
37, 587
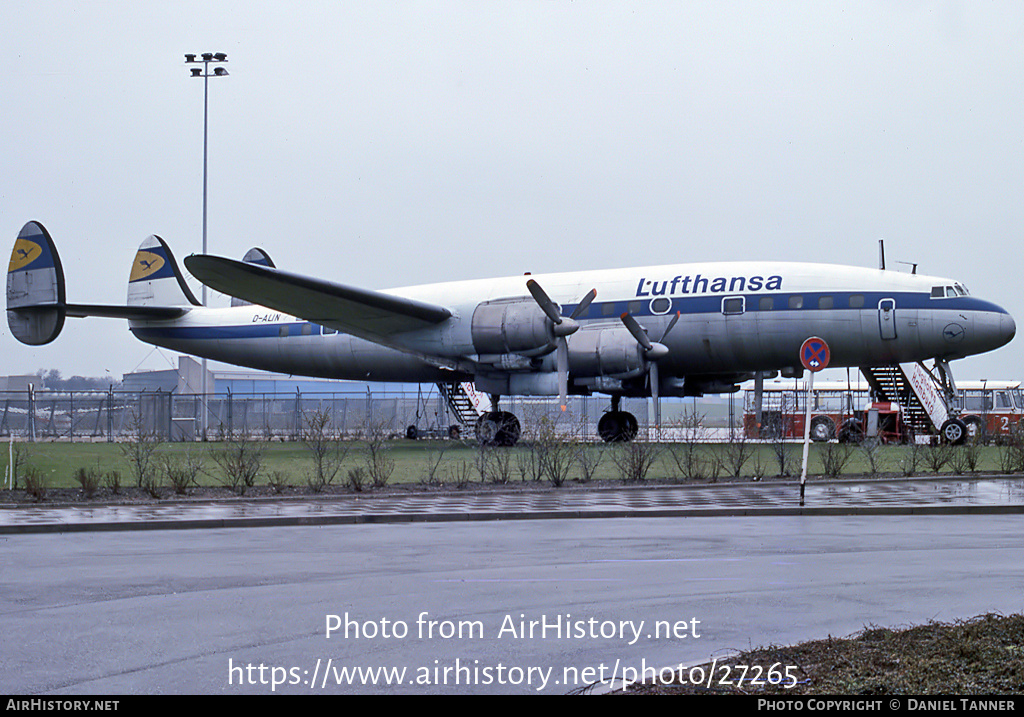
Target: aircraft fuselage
734, 318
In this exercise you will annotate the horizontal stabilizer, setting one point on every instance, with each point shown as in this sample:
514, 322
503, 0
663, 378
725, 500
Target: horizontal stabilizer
139, 313
361, 312
36, 305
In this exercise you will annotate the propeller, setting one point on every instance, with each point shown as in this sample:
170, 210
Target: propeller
653, 352
561, 327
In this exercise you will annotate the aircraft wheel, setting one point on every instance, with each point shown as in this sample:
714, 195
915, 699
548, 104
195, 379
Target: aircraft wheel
498, 428
412, 433
617, 427
822, 429
954, 431
632, 426
851, 432
975, 428
508, 429
487, 428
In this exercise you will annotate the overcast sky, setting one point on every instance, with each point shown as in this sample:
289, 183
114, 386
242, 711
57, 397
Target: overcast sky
394, 143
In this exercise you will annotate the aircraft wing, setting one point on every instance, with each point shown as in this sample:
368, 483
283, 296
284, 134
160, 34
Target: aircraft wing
361, 312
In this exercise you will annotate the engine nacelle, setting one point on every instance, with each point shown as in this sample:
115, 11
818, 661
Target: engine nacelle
512, 326
608, 351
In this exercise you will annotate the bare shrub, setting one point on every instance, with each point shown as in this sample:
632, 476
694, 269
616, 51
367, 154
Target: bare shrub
1011, 451
357, 478
785, 453
89, 479
138, 450
35, 483
966, 457
327, 449
911, 458
377, 453
588, 458
239, 459
494, 463
182, 472
112, 481
526, 462
432, 462
18, 458
737, 452
635, 459
834, 457
278, 480
555, 448
758, 470
872, 451
153, 486
689, 454
458, 473
937, 455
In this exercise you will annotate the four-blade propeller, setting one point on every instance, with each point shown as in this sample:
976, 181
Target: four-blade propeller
564, 326
653, 352
561, 328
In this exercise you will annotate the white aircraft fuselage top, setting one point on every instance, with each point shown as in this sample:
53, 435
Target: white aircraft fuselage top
734, 318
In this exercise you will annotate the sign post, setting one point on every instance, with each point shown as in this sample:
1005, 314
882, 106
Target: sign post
814, 356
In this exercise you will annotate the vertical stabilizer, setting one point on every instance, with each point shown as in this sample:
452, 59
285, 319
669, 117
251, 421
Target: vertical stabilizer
35, 287
155, 279
253, 256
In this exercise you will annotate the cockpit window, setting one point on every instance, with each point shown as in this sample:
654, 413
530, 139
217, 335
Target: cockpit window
961, 290
939, 292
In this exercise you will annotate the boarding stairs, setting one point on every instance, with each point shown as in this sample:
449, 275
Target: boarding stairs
910, 385
462, 399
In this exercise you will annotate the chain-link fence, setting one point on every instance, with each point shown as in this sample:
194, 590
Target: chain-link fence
113, 415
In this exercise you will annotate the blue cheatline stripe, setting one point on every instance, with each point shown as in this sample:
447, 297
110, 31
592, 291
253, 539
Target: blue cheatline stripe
688, 306
712, 304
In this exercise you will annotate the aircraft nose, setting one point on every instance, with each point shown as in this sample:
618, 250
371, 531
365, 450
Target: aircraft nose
1007, 328
994, 329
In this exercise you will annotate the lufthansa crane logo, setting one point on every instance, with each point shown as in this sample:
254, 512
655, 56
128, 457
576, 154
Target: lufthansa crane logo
146, 264
25, 252
953, 333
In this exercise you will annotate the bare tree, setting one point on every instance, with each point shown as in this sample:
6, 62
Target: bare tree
377, 452
138, 450
240, 460
327, 449
689, 454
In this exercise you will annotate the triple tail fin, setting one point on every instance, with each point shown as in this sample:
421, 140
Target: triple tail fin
253, 256
155, 278
35, 287
36, 302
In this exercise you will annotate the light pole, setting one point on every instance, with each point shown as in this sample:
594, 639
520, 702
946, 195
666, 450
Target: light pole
206, 59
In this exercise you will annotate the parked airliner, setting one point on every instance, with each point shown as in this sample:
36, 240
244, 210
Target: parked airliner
673, 330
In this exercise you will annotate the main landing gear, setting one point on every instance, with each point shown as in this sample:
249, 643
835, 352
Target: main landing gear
501, 428
497, 428
617, 426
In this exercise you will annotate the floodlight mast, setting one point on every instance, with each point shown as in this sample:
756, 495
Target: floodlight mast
206, 59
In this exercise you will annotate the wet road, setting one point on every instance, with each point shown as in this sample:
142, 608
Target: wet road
912, 496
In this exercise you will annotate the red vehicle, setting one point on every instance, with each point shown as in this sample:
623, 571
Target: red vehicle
988, 408
783, 412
